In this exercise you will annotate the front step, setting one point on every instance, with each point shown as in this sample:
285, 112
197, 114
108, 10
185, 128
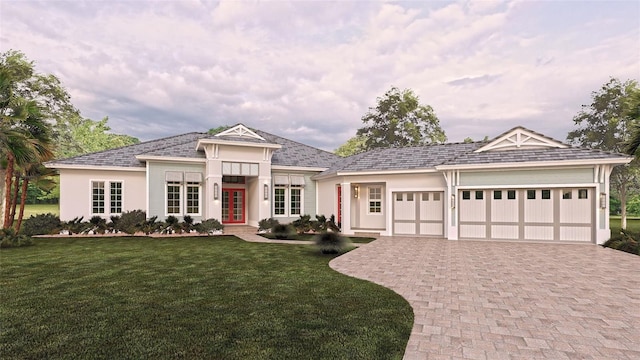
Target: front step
239, 229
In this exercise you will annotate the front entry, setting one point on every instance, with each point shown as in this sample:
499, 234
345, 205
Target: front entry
233, 206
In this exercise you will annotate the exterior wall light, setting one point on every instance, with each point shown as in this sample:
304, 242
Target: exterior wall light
453, 201
356, 191
603, 201
266, 192
216, 191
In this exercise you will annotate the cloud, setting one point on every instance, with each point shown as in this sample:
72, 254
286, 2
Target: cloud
311, 70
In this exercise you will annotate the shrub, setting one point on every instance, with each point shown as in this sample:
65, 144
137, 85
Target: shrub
281, 231
267, 224
209, 226
75, 226
303, 224
130, 221
150, 226
625, 241
330, 242
99, 225
171, 225
9, 239
42, 224
187, 223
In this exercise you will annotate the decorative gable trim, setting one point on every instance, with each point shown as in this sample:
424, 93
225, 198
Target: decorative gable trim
240, 131
518, 138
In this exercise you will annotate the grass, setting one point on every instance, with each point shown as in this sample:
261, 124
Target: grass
310, 237
193, 298
633, 225
35, 209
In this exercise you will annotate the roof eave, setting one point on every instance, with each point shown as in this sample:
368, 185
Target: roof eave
170, 158
94, 167
527, 164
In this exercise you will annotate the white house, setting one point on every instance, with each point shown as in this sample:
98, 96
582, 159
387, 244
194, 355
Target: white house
521, 185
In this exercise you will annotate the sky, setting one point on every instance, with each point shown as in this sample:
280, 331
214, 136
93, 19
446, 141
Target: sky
310, 70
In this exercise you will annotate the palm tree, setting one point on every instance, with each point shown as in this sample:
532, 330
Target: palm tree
39, 175
25, 138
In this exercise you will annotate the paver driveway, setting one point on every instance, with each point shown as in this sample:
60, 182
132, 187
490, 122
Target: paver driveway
502, 300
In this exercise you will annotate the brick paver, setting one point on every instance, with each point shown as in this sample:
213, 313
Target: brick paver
507, 300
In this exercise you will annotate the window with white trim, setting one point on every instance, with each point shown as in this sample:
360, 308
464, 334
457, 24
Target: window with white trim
279, 201
193, 198
97, 197
115, 197
174, 192
288, 195
375, 200
296, 200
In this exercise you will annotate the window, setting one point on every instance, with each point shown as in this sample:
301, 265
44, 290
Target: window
566, 194
399, 196
410, 197
582, 193
97, 197
479, 194
375, 200
296, 201
531, 194
511, 194
193, 198
546, 194
497, 195
436, 196
425, 196
173, 197
466, 195
115, 193
279, 207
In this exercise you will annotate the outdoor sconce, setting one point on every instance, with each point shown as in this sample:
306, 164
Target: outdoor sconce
453, 201
603, 201
216, 191
266, 192
356, 190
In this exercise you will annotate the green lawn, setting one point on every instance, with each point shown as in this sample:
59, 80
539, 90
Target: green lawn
633, 225
36, 209
190, 298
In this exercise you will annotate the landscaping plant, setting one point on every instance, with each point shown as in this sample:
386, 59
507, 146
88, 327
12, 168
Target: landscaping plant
209, 226
42, 224
330, 242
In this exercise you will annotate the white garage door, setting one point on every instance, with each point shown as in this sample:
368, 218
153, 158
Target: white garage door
418, 213
527, 214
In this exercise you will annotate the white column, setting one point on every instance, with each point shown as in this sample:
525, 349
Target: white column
346, 208
213, 206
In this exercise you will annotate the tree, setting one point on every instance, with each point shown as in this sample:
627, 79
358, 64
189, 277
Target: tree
632, 110
400, 120
353, 146
29, 104
604, 125
87, 136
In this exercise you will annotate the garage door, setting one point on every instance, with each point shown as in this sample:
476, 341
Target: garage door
418, 213
527, 214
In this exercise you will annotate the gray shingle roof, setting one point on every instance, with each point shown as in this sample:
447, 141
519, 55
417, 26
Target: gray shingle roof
126, 156
530, 155
409, 158
184, 146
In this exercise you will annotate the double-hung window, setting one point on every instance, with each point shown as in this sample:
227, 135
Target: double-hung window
174, 195
115, 197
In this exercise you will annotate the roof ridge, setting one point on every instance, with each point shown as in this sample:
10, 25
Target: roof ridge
172, 145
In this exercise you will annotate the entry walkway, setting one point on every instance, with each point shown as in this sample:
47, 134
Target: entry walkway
507, 300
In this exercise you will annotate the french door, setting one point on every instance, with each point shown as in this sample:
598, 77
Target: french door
233, 206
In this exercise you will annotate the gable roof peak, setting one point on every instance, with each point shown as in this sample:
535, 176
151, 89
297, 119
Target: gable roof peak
521, 138
239, 130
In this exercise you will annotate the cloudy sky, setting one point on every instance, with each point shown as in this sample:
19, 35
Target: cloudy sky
309, 70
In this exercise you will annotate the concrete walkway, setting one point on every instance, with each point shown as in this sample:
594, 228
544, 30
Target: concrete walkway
505, 300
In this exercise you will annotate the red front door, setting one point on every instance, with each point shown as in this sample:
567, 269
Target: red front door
233, 206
